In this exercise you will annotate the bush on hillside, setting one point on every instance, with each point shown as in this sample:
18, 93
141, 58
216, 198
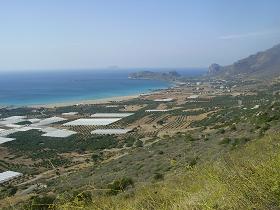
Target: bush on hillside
120, 185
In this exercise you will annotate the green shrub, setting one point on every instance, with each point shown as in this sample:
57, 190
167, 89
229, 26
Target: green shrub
7, 191
139, 143
120, 185
225, 141
96, 157
233, 128
158, 177
189, 137
193, 162
84, 197
24, 123
221, 131
43, 202
160, 152
129, 141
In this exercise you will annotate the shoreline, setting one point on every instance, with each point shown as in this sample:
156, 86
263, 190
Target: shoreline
106, 100
85, 102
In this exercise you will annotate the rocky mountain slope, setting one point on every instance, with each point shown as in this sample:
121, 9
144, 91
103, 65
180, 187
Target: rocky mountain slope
262, 65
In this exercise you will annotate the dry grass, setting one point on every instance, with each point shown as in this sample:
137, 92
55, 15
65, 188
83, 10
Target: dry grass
246, 178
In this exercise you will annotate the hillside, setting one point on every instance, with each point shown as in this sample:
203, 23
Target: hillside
246, 178
264, 64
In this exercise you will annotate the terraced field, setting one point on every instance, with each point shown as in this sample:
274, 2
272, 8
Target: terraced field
178, 123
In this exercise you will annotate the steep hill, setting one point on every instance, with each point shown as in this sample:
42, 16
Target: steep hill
245, 178
265, 65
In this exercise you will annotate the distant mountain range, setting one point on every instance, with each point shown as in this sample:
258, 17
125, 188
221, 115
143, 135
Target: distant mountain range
263, 65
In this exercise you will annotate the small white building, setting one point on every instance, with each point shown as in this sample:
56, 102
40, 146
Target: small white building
34, 120
95, 121
4, 139
112, 106
69, 113
256, 107
110, 131
9, 175
49, 121
5, 133
111, 115
193, 97
59, 133
12, 120
157, 110
164, 100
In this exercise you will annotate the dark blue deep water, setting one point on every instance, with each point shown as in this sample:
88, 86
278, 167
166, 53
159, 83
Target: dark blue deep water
42, 87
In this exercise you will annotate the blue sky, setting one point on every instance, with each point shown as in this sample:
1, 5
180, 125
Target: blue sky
69, 34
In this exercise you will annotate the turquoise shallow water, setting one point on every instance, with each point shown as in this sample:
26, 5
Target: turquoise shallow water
29, 88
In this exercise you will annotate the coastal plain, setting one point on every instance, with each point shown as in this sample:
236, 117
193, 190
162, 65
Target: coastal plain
172, 128
127, 153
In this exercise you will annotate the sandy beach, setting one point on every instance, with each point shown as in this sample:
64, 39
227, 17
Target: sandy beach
99, 101
84, 102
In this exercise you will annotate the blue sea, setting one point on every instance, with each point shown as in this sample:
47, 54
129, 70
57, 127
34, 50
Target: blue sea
44, 87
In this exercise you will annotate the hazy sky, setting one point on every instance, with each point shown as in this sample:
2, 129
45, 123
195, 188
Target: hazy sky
62, 34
